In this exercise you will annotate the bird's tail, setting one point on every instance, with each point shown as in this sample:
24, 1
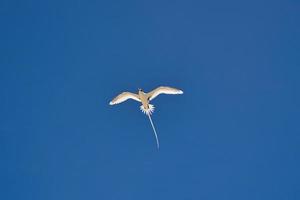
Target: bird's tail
156, 137
147, 111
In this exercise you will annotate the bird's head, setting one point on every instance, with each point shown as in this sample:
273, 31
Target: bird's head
140, 90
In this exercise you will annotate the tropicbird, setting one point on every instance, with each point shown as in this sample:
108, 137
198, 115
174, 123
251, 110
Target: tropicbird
145, 98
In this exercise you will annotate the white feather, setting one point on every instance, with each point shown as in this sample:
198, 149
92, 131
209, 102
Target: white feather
148, 111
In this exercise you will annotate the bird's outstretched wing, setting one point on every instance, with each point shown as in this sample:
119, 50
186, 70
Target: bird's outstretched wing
163, 90
123, 97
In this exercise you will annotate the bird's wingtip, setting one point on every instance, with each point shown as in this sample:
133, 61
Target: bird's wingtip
111, 103
180, 92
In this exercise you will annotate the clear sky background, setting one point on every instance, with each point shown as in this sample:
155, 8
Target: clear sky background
234, 134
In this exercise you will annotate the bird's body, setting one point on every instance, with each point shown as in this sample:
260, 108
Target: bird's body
145, 98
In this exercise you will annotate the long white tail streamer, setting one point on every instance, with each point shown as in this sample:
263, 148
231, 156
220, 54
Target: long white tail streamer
157, 142
148, 112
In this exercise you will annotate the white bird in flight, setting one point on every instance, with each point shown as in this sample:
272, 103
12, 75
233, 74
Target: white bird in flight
145, 98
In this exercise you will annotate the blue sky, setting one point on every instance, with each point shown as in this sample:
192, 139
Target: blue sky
234, 134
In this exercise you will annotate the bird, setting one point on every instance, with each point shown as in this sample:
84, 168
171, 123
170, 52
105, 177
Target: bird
145, 98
